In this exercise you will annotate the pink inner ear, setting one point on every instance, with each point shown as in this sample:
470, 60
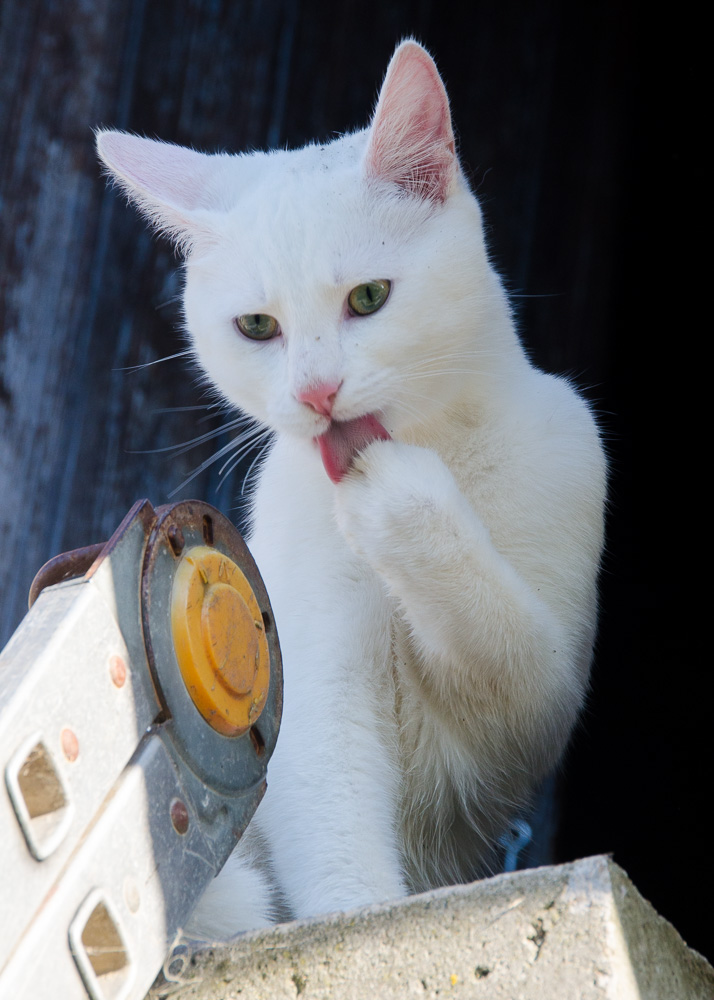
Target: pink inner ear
412, 142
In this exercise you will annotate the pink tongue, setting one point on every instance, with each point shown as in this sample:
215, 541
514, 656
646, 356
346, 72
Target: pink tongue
343, 440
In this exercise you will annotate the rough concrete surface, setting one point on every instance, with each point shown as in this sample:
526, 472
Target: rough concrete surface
578, 931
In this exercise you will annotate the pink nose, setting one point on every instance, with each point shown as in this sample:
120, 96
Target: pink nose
320, 397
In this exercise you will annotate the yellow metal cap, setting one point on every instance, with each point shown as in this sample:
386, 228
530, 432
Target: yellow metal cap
219, 640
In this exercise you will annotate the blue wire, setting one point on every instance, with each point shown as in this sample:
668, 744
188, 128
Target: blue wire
514, 840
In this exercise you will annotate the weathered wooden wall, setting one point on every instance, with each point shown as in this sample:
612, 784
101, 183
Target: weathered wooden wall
545, 98
87, 293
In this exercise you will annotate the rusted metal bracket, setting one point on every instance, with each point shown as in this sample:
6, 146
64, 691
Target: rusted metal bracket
140, 702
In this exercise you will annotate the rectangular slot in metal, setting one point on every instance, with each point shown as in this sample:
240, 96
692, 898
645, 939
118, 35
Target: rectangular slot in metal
99, 949
39, 796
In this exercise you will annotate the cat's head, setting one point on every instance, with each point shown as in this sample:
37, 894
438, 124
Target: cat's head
334, 281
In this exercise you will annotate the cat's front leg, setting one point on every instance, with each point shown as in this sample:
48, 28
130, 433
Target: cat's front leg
486, 645
329, 817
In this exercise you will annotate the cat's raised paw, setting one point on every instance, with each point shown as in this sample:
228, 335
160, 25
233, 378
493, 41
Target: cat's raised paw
392, 495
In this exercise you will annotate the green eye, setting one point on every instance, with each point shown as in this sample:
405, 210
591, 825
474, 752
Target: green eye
257, 326
368, 298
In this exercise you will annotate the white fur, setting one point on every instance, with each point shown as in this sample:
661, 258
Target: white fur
436, 609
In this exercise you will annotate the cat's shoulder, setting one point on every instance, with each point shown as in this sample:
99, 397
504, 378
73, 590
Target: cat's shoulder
542, 439
567, 427
538, 410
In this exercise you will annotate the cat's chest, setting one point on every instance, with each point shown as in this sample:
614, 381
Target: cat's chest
485, 463
307, 562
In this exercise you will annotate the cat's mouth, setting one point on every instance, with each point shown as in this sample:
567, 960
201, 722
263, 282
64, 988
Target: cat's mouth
344, 439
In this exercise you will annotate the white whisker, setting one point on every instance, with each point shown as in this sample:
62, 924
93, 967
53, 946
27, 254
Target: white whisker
253, 464
235, 459
243, 441
181, 449
188, 409
158, 361
446, 371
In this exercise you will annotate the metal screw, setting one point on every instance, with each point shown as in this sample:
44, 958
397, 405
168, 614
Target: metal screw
117, 671
179, 816
70, 744
131, 894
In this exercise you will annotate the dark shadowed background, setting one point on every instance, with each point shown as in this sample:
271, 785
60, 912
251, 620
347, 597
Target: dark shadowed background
554, 105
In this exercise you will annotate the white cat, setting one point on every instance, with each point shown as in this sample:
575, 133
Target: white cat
429, 520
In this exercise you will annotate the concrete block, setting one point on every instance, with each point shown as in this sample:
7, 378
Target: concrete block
578, 931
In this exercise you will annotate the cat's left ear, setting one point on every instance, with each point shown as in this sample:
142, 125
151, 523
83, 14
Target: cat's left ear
171, 185
411, 141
